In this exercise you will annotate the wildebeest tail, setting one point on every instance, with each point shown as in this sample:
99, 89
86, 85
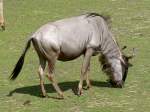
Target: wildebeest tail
20, 62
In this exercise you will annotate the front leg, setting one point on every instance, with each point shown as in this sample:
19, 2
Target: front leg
85, 65
88, 83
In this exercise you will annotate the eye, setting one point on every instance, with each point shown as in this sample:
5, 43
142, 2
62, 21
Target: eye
106, 66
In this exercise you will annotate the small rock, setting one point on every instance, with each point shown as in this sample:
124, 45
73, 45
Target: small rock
27, 102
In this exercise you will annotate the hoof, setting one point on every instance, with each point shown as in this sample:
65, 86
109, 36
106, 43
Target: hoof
44, 96
80, 92
87, 87
3, 28
60, 96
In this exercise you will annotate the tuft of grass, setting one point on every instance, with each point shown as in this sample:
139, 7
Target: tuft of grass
130, 25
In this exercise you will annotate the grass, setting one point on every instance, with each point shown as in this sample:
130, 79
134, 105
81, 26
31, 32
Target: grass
130, 24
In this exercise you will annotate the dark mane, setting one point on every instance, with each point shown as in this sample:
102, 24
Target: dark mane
106, 18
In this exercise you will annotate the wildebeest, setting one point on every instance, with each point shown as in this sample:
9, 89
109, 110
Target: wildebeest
67, 39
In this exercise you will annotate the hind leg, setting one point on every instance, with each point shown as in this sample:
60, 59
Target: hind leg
51, 67
41, 75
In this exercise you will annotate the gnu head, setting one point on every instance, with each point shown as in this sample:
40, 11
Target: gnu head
116, 69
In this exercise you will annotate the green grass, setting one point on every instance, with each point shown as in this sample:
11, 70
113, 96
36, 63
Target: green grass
130, 24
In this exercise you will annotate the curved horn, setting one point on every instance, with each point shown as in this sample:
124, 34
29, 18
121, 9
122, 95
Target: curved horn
124, 47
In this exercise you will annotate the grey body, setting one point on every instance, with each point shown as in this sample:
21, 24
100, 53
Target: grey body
70, 38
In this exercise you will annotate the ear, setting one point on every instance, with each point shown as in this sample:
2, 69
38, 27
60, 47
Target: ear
133, 54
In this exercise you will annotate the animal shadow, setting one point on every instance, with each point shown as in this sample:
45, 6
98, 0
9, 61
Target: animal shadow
35, 89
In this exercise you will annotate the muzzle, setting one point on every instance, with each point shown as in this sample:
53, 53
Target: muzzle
117, 84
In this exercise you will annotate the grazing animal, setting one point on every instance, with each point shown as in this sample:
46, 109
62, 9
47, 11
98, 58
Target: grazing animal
67, 39
2, 23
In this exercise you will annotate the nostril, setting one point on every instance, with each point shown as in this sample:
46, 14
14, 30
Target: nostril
119, 84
